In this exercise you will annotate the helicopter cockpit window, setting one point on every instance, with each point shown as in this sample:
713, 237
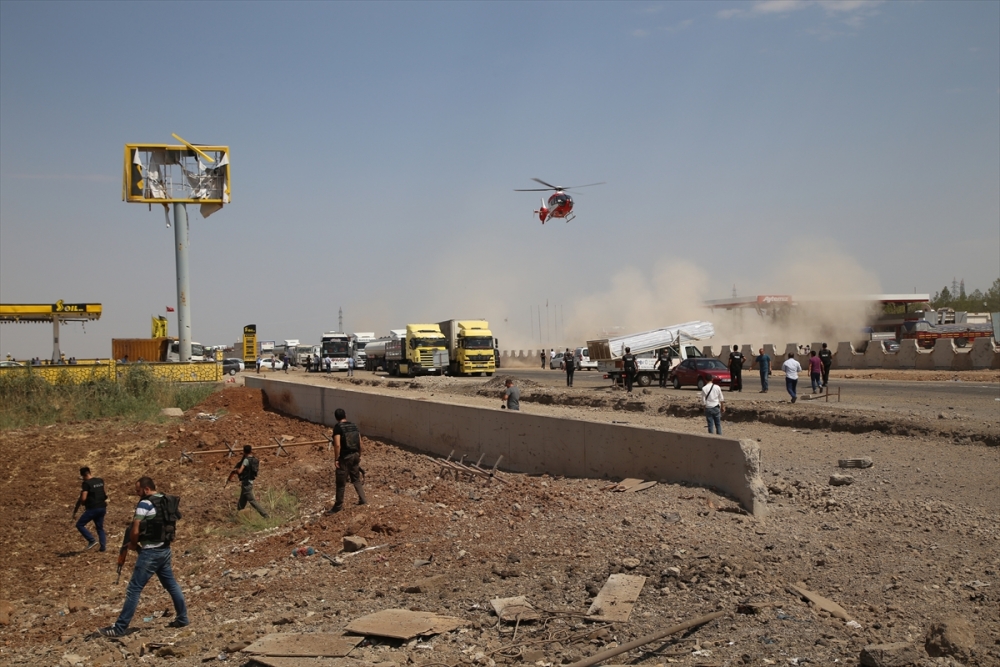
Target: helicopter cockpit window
561, 199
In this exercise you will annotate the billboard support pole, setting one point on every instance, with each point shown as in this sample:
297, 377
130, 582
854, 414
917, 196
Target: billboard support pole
183, 281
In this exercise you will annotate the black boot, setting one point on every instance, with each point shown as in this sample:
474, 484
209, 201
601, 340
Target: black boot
360, 488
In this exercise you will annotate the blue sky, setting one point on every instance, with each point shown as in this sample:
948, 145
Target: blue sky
778, 147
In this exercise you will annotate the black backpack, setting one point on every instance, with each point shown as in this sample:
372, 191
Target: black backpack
163, 526
351, 440
253, 467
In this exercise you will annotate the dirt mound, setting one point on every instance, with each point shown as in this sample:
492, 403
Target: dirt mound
497, 382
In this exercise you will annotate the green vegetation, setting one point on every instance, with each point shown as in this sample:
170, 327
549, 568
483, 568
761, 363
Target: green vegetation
973, 302
28, 400
279, 503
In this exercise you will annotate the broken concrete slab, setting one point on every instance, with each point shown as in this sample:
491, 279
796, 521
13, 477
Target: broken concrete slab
641, 487
821, 602
863, 462
171, 412
313, 644
617, 597
841, 480
298, 661
403, 624
513, 609
898, 654
627, 484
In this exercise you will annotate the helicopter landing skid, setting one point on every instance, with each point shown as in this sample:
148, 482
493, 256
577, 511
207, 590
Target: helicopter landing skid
571, 216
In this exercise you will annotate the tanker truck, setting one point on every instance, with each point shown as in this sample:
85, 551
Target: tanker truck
419, 349
470, 347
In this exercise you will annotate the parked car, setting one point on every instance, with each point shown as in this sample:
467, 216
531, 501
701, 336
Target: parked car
699, 372
232, 366
583, 362
890, 346
556, 363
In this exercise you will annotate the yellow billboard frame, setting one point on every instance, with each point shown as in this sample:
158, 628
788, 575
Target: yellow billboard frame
132, 180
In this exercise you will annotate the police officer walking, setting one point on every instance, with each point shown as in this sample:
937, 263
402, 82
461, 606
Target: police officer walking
148, 536
663, 363
95, 503
347, 450
629, 366
736, 369
826, 356
246, 472
569, 363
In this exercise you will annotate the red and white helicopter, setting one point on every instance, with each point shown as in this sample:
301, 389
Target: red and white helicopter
560, 204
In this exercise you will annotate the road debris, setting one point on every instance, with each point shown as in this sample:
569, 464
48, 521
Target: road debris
404, 624
617, 597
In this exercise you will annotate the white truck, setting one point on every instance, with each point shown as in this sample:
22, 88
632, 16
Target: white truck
607, 352
361, 340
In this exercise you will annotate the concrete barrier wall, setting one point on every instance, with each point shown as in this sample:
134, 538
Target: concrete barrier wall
83, 373
534, 443
982, 355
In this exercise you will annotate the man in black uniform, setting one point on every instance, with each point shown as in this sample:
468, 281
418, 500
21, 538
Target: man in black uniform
663, 363
569, 364
95, 503
246, 472
629, 366
347, 450
736, 369
826, 356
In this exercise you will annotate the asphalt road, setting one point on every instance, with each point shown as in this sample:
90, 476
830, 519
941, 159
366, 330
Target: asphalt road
976, 400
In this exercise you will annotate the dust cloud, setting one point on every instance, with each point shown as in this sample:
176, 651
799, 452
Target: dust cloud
825, 284
636, 302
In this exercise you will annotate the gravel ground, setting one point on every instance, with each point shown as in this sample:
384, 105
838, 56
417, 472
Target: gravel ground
910, 544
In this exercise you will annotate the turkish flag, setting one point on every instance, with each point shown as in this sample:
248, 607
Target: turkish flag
170, 309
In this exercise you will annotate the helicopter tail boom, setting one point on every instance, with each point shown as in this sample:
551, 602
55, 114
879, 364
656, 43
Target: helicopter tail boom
542, 212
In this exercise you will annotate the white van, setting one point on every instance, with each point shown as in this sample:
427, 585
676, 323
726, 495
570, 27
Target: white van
583, 362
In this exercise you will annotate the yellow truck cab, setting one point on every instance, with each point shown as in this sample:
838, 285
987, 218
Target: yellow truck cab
470, 347
423, 351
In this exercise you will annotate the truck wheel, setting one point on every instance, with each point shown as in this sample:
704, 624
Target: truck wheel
677, 382
961, 342
644, 380
701, 383
489, 375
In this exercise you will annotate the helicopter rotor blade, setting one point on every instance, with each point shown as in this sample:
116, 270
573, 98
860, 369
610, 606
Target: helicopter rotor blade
573, 187
553, 187
536, 190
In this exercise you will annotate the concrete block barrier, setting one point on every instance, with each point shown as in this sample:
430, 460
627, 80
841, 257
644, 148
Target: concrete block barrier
535, 444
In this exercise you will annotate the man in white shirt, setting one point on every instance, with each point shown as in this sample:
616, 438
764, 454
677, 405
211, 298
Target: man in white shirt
711, 398
791, 368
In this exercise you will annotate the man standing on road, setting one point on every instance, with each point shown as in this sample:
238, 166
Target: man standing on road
95, 503
246, 472
711, 398
763, 362
629, 366
147, 536
569, 364
791, 367
826, 356
815, 372
736, 369
347, 451
511, 395
542, 356
350, 366
663, 363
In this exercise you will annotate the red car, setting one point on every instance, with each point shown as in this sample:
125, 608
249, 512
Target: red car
700, 372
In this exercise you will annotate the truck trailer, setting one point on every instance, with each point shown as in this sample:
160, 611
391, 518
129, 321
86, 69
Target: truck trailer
419, 349
607, 352
361, 340
470, 347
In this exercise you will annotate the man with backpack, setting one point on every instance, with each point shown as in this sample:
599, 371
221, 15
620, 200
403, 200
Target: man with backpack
347, 451
151, 532
95, 503
246, 472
